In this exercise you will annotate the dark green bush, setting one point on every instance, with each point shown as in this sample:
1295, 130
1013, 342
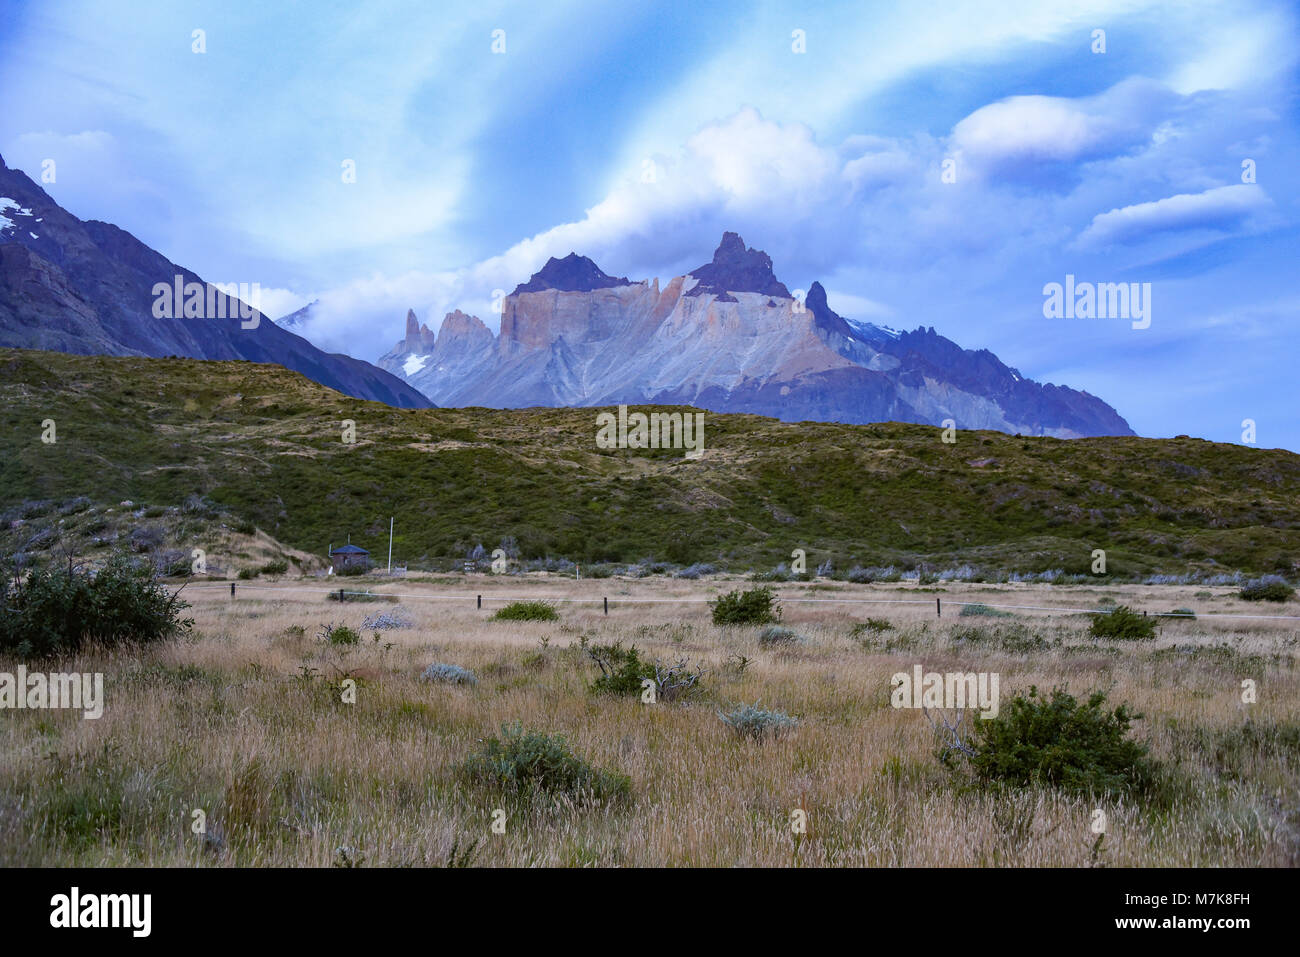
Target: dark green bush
526, 764
873, 625
1269, 588
621, 669
1123, 623
351, 570
339, 635
55, 612
527, 611
757, 606
278, 567
1061, 743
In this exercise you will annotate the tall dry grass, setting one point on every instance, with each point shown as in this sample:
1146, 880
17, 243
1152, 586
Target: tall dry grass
246, 722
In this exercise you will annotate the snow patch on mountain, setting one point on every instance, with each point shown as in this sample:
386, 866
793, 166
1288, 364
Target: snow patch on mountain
7, 204
870, 330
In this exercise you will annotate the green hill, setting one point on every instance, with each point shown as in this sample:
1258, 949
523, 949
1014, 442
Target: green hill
265, 446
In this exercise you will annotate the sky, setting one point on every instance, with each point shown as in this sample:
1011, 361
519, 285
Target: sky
931, 164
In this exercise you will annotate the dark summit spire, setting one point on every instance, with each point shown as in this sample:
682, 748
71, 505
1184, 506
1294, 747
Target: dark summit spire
737, 269
573, 273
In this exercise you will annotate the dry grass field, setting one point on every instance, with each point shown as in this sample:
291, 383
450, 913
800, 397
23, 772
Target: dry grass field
245, 721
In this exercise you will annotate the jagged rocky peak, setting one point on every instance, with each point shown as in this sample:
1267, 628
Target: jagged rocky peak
419, 338
737, 269
573, 273
462, 335
459, 325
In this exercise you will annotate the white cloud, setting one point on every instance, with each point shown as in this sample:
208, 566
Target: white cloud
1240, 49
1035, 129
771, 182
858, 307
1221, 208
277, 303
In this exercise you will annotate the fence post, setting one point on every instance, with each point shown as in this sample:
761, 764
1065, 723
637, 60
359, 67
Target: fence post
480, 601
938, 608
607, 604
341, 598
232, 589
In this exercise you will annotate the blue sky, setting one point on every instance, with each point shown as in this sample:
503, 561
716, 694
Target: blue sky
637, 137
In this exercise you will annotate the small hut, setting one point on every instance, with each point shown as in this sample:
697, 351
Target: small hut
349, 556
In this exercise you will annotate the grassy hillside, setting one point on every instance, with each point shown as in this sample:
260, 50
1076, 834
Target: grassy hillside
265, 446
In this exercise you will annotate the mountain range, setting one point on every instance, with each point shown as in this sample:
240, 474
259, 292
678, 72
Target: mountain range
88, 287
729, 337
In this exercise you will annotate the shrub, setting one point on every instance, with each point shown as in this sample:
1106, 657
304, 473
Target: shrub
386, 620
1123, 623
753, 607
247, 574
58, 612
339, 635
527, 611
30, 510
621, 669
778, 635
1268, 588
351, 571
277, 567
1008, 636
676, 679
196, 504
75, 506
345, 595
173, 563
526, 764
1182, 613
873, 625
982, 611
693, 572
145, 538
751, 721
449, 674
1059, 742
